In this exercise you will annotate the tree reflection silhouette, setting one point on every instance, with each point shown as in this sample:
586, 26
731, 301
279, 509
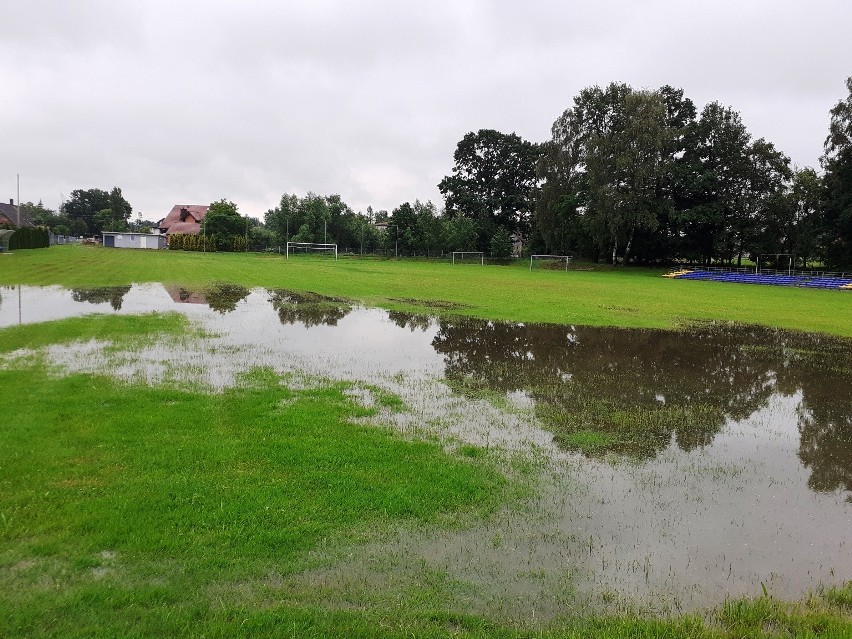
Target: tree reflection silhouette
411, 321
114, 295
223, 298
825, 414
309, 309
633, 392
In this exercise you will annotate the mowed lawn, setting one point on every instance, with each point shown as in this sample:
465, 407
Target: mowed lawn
629, 297
138, 511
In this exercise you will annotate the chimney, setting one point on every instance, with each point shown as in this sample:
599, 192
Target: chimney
11, 201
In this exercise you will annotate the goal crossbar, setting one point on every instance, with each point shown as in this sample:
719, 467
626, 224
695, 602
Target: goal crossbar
461, 254
567, 259
312, 246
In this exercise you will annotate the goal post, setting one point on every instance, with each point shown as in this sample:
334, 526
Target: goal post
310, 247
460, 255
566, 258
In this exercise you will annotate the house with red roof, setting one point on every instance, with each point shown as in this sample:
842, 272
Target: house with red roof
9, 215
183, 218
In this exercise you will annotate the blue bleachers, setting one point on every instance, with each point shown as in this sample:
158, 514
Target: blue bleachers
767, 279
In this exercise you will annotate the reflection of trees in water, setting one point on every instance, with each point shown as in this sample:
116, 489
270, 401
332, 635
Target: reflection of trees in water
114, 295
309, 309
224, 298
632, 391
410, 321
825, 422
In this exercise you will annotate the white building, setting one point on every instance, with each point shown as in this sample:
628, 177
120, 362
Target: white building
123, 239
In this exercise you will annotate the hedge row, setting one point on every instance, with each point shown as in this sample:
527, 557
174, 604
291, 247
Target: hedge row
30, 238
185, 242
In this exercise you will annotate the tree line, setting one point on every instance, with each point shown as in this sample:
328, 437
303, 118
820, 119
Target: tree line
641, 176
628, 176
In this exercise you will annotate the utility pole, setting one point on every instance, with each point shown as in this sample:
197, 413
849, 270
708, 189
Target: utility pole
19, 200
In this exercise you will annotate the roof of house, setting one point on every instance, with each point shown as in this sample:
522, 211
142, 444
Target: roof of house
188, 228
9, 215
184, 296
184, 214
129, 233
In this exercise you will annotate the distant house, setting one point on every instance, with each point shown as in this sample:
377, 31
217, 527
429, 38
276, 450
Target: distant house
9, 215
123, 239
183, 218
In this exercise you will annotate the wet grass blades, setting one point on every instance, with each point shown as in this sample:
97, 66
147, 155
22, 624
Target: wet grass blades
123, 331
120, 501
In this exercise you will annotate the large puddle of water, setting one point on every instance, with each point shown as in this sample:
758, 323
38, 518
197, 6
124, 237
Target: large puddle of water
681, 468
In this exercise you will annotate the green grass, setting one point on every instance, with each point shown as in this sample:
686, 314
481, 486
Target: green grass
613, 297
121, 330
136, 511
123, 508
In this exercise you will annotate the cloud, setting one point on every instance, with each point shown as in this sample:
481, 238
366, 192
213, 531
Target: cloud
195, 101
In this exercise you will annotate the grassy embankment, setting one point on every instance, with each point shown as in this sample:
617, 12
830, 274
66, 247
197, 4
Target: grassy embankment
623, 297
148, 512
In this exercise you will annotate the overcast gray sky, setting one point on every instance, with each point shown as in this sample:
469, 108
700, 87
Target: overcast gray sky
190, 101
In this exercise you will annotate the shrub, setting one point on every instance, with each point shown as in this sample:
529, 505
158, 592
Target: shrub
30, 238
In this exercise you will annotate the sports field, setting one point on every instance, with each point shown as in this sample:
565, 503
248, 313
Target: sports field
584, 295
270, 507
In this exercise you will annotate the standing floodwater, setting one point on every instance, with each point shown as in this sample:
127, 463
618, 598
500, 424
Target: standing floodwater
681, 467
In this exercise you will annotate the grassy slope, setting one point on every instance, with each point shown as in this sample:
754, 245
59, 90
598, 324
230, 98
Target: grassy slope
628, 297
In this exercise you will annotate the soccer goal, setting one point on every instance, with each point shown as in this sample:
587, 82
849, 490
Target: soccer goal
462, 255
310, 247
560, 258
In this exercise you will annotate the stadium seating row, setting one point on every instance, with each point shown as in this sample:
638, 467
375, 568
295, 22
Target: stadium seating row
766, 279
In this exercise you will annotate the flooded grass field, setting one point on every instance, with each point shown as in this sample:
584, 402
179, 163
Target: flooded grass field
671, 471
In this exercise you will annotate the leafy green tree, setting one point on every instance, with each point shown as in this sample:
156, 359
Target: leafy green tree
106, 221
429, 228
714, 173
607, 167
493, 181
558, 219
41, 215
763, 200
501, 244
625, 164
402, 232
223, 225
803, 220
663, 243
315, 218
837, 163
121, 209
260, 238
78, 227
91, 210
461, 234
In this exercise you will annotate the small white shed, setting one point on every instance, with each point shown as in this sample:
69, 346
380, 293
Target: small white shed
123, 239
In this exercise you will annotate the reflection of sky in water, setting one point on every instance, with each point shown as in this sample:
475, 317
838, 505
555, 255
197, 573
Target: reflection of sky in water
683, 527
364, 339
